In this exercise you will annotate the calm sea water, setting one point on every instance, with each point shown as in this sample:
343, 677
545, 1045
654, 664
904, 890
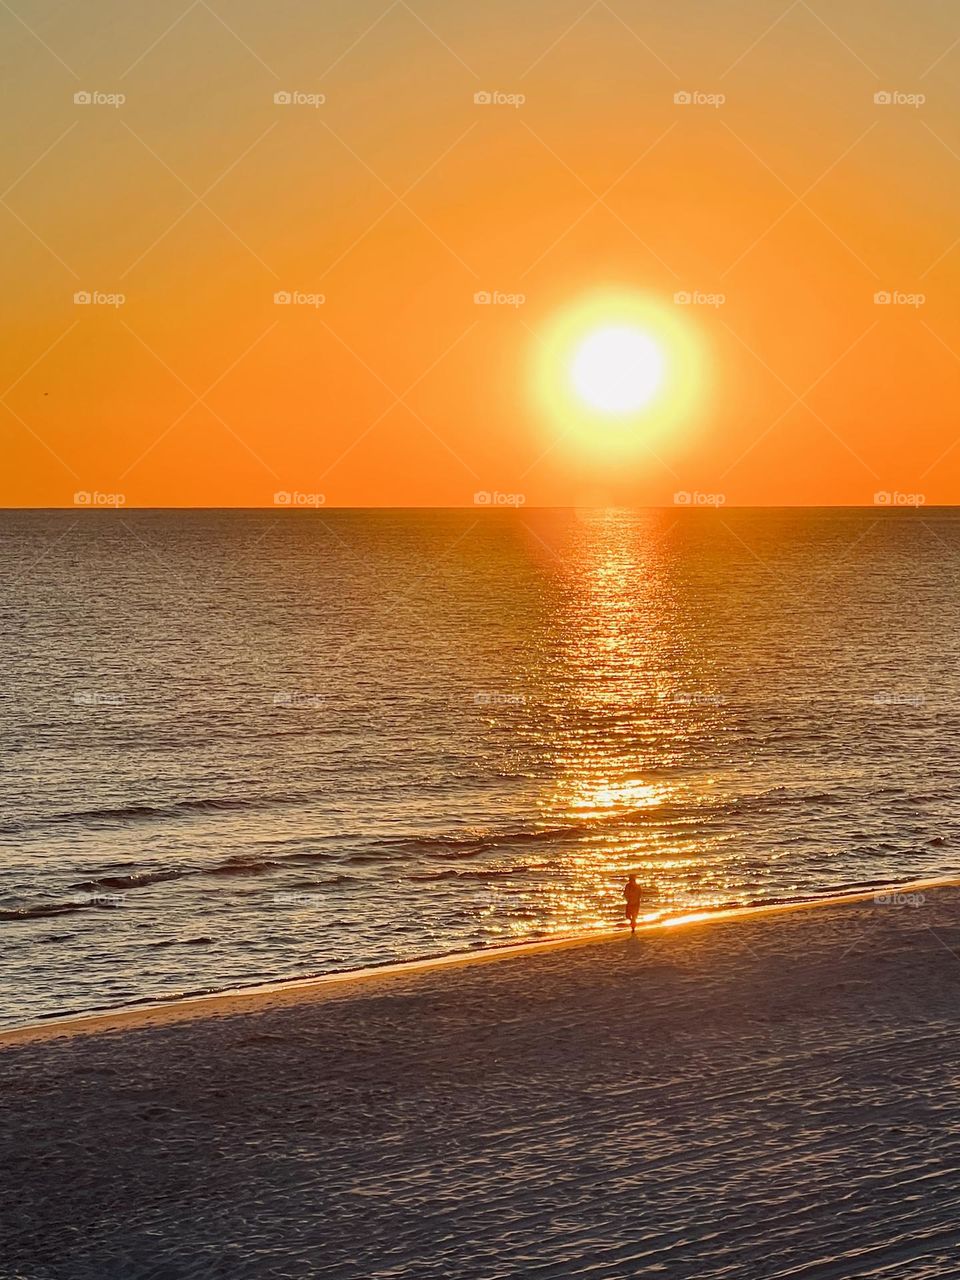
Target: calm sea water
239, 746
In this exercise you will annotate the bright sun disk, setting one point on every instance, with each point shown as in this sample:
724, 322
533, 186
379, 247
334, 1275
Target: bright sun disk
616, 373
617, 369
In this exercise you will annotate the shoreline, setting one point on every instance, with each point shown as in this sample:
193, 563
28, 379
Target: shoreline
291, 991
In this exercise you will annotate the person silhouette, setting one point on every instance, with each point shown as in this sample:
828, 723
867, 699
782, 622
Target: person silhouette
632, 892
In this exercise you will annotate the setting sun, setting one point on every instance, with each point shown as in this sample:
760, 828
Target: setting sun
617, 369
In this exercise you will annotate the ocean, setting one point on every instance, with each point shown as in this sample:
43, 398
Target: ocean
243, 746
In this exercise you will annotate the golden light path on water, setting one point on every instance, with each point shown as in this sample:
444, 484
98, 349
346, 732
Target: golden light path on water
621, 717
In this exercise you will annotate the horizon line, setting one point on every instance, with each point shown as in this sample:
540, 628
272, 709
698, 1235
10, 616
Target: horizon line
504, 508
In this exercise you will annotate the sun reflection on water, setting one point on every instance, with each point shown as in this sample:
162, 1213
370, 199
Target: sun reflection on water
616, 730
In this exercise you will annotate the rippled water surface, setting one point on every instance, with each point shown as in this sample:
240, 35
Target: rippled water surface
242, 745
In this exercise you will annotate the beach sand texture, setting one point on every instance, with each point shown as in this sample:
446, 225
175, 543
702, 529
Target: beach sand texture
767, 1096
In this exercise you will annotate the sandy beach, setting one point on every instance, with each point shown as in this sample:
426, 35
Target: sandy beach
768, 1095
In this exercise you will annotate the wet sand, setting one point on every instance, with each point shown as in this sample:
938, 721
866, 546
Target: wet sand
766, 1095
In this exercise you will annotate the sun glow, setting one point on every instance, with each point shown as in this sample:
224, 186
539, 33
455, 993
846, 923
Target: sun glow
617, 371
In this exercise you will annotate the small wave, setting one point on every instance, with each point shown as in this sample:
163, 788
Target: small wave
41, 911
490, 873
471, 843
135, 880
131, 813
240, 867
201, 941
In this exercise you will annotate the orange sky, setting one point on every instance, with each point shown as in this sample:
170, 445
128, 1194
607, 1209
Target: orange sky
399, 198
